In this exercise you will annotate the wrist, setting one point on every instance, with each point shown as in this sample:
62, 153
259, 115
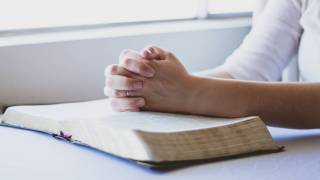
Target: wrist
216, 97
194, 94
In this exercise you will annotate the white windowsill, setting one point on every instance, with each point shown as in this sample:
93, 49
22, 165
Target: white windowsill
123, 31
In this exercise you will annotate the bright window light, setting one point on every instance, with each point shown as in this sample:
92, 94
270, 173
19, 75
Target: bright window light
35, 14
26, 14
230, 6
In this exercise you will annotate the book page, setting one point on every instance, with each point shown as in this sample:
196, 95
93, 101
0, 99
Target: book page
163, 122
100, 112
61, 112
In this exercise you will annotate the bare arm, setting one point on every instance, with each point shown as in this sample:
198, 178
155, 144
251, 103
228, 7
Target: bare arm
215, 73
173, 89
294, 105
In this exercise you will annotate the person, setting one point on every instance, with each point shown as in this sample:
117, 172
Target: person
245, 85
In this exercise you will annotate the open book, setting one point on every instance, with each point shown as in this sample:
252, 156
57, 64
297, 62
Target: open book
145, 137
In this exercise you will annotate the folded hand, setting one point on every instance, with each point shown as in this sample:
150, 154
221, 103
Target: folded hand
152, 80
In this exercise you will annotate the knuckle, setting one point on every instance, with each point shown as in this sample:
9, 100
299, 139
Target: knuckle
135, 65
113, 69
109, 69
124, 55
127, 62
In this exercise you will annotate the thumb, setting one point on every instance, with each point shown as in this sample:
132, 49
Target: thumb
154, 52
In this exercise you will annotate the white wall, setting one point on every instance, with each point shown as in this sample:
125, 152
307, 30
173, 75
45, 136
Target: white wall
73, 70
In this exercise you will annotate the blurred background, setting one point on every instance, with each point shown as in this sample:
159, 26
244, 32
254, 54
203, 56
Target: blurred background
33, 14
54, 51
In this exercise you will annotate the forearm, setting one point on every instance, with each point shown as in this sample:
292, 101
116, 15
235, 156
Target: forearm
214, 73
279, 104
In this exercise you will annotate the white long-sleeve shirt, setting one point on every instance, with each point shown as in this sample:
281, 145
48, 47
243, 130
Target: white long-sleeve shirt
285, 28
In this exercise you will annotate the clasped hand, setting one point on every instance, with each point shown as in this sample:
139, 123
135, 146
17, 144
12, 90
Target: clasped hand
151, 80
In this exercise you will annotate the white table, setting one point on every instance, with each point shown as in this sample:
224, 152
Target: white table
30, 155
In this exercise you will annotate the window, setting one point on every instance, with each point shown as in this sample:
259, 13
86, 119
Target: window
17, 14
35, 14
230, 6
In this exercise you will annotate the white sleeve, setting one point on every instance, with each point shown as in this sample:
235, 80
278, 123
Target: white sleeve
271, 44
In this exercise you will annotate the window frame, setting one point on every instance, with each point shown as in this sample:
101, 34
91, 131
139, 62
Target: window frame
202, 14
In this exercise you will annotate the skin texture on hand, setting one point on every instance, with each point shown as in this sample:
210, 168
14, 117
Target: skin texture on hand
131, 88
123, 79
172, 89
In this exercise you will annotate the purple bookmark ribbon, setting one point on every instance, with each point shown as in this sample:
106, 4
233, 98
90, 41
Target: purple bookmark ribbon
62, 136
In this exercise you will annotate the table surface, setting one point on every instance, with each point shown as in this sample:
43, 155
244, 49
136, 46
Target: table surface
31, 155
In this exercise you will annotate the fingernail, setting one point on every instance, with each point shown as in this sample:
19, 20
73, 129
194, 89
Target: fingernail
147, 53
151, 50
138, 85
140, 102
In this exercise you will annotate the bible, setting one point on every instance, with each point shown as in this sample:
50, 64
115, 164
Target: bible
148, 138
